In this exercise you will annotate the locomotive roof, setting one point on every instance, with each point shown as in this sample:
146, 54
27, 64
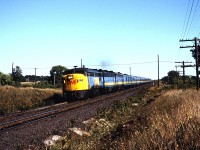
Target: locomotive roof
89, 70
83, 70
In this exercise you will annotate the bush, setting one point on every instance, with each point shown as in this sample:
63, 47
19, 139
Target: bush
43, 85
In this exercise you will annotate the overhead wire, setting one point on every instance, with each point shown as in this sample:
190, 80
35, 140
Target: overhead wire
37, 68
134, 63
188, 20
193, 17
198, 34
184, 27
185, 19
189, 54
199, 24
139, 63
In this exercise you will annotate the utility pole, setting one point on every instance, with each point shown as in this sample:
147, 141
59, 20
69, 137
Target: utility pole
183, 66
54, 78
35, 75
197, 62
158, 71
176, 68
12, 72
81, 63
130, 70
12, 68
196, 57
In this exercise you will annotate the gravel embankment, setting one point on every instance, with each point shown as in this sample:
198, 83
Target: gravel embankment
33, 135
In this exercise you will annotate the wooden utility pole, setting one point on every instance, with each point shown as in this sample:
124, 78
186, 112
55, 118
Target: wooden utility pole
12, 73
197, 62
35, 74
158, 72
54, 79
196, 57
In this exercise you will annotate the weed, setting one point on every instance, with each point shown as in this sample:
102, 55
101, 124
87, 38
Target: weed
170, 121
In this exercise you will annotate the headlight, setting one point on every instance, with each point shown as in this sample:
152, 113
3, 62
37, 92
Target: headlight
69, 77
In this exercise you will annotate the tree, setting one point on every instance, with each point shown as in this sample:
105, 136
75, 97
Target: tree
31, 78
194, 54
165, 79
57, 71
5, 79
17, 74
173, 77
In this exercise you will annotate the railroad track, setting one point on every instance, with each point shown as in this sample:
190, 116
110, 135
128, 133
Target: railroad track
53, 110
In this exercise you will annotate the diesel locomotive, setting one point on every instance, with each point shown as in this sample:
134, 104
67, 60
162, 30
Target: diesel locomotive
81, 83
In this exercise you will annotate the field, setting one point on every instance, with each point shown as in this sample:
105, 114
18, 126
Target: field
14, 99
157, 120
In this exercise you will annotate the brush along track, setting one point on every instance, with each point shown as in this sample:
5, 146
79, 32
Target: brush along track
34, 133
13, 121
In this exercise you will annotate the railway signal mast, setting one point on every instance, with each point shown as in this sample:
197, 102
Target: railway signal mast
195, 46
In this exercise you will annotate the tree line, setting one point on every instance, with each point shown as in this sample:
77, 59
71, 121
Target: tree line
175, 80
16, 77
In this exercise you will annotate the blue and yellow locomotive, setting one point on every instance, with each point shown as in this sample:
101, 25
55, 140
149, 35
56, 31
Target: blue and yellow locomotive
84, 82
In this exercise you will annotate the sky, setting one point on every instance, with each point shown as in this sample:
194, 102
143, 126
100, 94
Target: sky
120, 35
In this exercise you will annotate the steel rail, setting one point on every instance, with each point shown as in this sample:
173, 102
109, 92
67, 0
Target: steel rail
24, 120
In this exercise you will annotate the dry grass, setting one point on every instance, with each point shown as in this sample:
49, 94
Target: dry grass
27, 83
172, 121
17, 99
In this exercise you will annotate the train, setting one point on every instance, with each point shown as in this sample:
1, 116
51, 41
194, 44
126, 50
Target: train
80, 83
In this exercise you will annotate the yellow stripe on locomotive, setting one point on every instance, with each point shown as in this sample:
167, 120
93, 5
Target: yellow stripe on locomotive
75, 82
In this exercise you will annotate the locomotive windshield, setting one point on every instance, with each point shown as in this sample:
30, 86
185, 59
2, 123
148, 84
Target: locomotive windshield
77, 70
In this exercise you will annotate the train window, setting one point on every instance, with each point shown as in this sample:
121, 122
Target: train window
97, 75
90, 74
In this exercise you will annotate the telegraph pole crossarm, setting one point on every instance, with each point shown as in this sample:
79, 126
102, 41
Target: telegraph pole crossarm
181, 40
187, 46
196, 56
183, 66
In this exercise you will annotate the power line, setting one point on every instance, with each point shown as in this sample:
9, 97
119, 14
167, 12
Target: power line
184, 25
189, 54
198, 17
185, 19
140, 63
188, 19
37, 68
121, 64
198, 34
193, 17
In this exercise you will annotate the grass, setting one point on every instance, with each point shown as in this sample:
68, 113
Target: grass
14, 99
168, 121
